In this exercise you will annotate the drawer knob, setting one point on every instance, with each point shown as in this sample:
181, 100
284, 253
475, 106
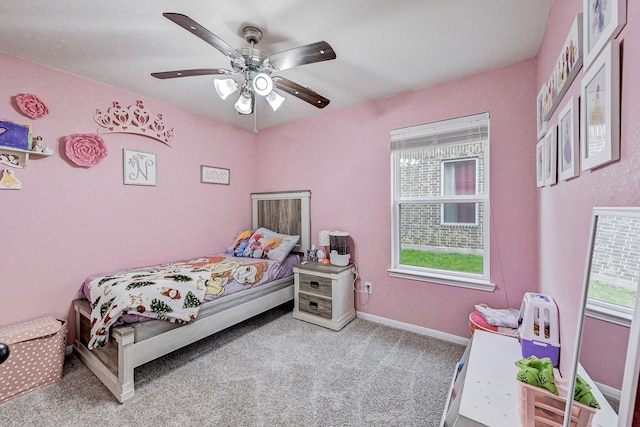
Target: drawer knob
314, 284
313, 304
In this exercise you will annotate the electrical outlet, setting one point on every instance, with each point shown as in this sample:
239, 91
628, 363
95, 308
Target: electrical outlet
367, 287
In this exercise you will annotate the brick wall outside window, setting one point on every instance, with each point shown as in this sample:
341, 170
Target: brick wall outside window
421, 224
616, 255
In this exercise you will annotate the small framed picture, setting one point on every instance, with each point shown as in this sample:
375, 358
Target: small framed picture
603, 22
140, 168
214, 175
600, 109
550, 158
568, 141
540, 163
541, 111
9, 181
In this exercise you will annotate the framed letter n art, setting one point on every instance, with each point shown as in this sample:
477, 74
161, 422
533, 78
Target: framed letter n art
140, 168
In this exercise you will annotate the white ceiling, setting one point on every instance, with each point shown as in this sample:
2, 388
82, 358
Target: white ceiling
383, 47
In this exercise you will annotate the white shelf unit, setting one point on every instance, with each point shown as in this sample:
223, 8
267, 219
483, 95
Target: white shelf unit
484, 388
18, 158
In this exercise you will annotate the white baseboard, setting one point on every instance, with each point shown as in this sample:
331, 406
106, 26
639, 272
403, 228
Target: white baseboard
605, 389
413, 328
608, 390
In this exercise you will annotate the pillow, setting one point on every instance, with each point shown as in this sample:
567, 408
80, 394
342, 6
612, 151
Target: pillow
270, 245
237, 247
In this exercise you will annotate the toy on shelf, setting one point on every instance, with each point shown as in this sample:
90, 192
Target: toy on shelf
539, 328
40, 147
15, 156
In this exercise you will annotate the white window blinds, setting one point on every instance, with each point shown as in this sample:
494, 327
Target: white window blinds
455, 131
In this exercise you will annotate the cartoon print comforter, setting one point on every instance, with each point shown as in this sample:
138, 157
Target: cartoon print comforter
172, 291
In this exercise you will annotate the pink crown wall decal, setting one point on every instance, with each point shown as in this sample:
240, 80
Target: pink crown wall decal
133, 119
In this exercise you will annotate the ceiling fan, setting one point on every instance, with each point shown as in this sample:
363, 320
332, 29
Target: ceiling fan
255, 67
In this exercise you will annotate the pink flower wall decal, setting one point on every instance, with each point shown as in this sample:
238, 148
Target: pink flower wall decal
31, 106
85, 149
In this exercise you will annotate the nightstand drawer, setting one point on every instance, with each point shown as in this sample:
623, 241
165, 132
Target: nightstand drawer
314, 305
315, 285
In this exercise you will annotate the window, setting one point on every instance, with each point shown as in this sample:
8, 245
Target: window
440, 209
459, 178
613, 273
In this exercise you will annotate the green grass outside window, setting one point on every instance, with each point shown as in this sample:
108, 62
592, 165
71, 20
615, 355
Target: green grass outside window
442, 261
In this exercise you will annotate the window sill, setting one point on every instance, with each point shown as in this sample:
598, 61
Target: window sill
608, 313
461, 282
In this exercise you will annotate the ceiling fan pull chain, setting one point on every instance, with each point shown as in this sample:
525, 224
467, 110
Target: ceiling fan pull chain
255, 117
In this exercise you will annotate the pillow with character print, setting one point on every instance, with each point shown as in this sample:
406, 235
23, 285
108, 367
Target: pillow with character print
237, 247
268, 244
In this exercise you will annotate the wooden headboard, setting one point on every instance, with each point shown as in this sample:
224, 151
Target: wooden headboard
286, 213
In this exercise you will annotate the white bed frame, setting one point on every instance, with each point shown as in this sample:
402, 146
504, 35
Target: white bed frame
114, 364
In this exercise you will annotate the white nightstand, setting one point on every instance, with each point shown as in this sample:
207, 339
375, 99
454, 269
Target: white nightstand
324, 294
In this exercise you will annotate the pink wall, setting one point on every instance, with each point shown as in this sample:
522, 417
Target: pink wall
565, 209
344, 158
539, 237
69, 222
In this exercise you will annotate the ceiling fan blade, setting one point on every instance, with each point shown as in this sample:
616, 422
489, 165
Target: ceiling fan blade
303, 93
190, 73
190, 25
307, 54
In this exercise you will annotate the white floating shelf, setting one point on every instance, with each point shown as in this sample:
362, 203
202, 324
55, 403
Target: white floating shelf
18, 158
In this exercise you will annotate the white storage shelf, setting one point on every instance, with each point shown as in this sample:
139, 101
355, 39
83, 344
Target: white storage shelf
485, 391
18, 158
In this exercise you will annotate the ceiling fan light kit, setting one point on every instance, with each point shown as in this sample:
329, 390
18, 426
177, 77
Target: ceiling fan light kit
225, 87
274, 100
244, 104
255, 67
262, 84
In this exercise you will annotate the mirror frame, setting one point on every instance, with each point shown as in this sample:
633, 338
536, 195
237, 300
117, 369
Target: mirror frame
632, 364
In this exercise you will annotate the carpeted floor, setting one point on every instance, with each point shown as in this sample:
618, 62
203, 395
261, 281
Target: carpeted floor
272, 370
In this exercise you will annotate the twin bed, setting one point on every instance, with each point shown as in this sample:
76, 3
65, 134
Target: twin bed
113, 352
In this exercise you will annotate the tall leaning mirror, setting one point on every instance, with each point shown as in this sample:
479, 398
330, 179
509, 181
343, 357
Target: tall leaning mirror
608, 328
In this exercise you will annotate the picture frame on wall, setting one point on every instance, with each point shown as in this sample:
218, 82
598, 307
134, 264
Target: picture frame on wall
15, 135
603, 21
540, 163
140, 168
550, 156
214, 175
600, 110
540, 112
568, 140
566, 69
